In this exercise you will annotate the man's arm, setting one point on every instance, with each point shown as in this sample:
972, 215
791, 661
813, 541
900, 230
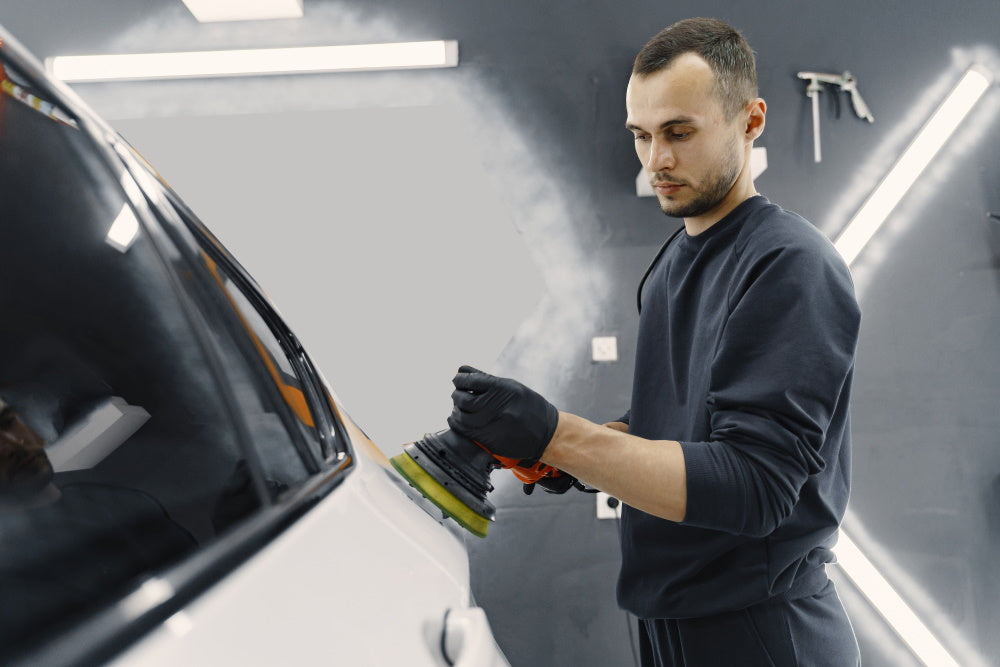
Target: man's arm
646, 474
618, 426
511, 420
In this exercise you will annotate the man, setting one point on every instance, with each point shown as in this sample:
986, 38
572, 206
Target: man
734, 460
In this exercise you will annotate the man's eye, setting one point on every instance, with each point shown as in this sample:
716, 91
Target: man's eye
679, 136
642, 137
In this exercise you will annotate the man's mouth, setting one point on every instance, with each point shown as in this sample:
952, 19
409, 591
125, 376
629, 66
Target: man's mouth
667, 187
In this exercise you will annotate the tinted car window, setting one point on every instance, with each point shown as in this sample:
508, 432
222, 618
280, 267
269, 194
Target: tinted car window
268, 429
283, 367
126, 413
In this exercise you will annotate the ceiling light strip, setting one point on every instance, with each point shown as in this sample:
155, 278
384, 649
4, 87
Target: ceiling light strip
873, 213
250, 62
890, 605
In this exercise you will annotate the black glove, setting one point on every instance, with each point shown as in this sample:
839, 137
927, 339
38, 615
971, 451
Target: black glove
501, 414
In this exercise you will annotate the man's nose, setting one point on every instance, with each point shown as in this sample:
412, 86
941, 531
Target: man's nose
661, 156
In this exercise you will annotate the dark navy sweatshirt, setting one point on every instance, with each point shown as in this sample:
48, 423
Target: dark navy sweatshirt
745, 356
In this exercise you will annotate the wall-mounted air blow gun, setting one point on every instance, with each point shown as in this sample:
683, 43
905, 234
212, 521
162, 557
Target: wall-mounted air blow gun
846, 83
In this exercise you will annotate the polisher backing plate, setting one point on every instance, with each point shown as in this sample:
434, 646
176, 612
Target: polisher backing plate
431, 489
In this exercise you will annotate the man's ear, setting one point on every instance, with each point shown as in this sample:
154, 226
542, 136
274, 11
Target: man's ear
755, 113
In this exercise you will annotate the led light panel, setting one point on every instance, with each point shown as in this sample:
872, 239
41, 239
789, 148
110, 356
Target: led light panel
912, 162
855, 236
248, 62
890, 605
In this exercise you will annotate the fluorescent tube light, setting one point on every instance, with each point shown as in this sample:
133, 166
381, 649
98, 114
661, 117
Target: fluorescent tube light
890, 605
852, 240
207, 11
873, 213
248, 62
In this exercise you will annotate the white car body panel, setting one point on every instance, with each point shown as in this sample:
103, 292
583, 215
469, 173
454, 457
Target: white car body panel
364, 578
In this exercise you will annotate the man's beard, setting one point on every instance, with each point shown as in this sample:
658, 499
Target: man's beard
712, 193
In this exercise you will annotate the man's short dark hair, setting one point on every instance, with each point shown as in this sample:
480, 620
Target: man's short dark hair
719, 44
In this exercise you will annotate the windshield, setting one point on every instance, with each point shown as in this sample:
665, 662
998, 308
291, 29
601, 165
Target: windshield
118, 452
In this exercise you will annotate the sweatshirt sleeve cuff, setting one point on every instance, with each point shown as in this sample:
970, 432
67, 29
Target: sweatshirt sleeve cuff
706, 501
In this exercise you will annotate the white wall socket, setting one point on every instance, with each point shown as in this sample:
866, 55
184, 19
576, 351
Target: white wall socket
605, 510
604, 348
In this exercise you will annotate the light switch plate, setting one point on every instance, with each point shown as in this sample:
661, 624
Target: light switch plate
604, 348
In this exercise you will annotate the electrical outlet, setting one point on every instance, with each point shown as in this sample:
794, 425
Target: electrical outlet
608, 507
604, 348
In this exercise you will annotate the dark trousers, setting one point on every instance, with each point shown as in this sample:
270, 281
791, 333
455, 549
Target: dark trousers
808, 632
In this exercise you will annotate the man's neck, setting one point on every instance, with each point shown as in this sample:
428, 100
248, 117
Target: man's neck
696, 226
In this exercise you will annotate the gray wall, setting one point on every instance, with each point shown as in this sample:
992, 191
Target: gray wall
535, 115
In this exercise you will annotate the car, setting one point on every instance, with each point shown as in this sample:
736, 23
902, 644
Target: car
178, 482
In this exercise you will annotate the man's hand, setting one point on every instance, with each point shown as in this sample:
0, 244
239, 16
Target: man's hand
501, 414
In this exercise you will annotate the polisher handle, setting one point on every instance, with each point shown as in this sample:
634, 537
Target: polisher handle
529, 474
534, 473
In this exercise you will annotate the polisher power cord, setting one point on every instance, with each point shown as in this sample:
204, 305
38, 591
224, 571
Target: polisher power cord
630, 620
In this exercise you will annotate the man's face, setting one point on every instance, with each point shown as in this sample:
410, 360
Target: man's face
692, 154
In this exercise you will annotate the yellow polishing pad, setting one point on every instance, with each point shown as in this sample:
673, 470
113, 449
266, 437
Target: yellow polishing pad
431, 489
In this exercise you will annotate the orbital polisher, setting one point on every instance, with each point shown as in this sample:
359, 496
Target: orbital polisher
453, 472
